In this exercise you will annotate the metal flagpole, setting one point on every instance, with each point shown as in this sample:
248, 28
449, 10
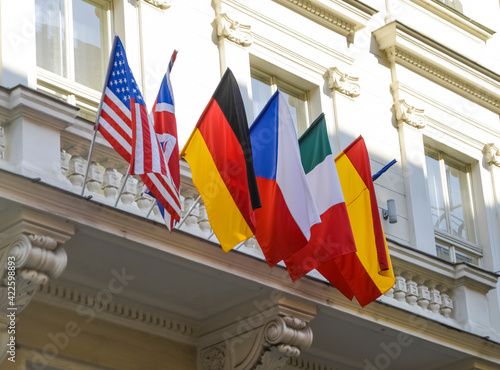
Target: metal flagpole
385, 168
178, 226
96, 126
88, 160
125, 178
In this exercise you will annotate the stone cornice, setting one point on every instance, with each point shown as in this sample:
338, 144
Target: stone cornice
337, 15
136, 317
457, 19
22, 101
440, 64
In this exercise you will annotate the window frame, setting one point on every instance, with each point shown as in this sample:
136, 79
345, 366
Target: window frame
446, 240
277, 82
65, 87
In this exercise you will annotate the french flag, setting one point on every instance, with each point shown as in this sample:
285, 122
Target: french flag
283, 223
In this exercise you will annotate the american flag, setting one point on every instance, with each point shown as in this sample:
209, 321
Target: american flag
166, 132
123, 120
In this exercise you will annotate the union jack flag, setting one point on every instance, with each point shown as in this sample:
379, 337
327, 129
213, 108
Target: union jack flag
124, 122
166, 132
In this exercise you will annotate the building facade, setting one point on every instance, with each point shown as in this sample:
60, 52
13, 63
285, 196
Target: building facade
92, 279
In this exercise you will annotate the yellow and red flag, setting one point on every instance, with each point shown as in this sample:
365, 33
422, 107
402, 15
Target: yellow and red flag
367, 273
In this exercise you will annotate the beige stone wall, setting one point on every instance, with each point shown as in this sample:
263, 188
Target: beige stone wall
64, 338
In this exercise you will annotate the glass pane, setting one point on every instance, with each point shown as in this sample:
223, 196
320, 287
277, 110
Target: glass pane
87, 38
436, 194
463, 257
50, 36
443, 252
297, 105
460, 203
261, 92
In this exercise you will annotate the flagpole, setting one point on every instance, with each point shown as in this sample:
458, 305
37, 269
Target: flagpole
385, 168
125, 178
96, 126
88, 161
178, 226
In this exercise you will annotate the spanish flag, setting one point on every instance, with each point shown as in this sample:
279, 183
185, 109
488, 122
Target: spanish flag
220, 157
367, 273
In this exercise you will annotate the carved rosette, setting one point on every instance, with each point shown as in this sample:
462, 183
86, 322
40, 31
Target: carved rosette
233, 31
410, 115
492, 154
162, 4
343, 83
213, 358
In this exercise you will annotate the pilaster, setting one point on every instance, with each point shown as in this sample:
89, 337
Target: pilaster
234, 39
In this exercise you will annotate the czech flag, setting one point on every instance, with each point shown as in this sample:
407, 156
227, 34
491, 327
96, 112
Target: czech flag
283, 223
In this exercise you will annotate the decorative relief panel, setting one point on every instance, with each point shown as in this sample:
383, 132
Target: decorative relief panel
410, 115
343, 83
233, 31
492, 154
162, 4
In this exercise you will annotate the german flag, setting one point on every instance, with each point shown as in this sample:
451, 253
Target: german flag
367, 273
220, 157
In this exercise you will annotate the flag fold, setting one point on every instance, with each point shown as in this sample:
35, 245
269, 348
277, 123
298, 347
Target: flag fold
367, 273
288, 210
220, 157
333, 236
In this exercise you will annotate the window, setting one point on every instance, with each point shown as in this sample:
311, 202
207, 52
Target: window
72, 39
263, 87
452, 209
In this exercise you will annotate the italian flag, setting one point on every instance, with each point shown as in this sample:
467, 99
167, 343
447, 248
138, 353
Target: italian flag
332, 237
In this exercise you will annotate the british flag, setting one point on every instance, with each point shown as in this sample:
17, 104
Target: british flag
124, 122
166, 131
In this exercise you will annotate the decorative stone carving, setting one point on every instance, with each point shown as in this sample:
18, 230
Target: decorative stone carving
410, 115
95, 178
129, 190
27, 261
110, 183
233, 30
214, 358
162, 4
343, 83
492, 154
65, 157
76, 171
203, 223
265, 339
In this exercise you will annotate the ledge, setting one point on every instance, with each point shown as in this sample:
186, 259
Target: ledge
440, 64
344, 17
457, 19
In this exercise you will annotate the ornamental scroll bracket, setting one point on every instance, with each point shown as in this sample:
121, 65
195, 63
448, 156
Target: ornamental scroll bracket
410, 115
233, 30
162, 4
262, 340
343, 83
31, 253
492, 154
